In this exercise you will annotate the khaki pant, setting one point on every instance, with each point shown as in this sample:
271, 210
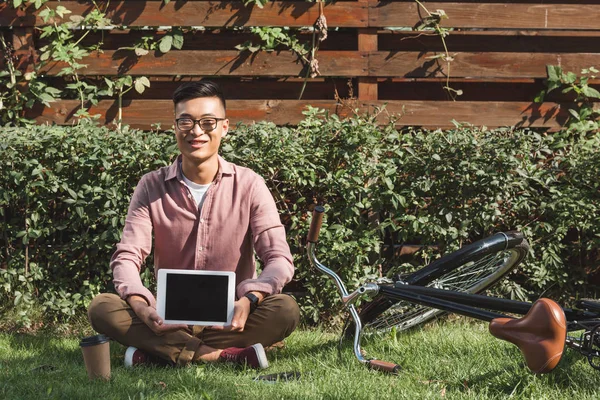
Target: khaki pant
275, 318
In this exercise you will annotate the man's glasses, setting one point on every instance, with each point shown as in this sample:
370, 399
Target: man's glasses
206, 124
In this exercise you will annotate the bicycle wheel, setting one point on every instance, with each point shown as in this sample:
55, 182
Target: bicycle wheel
471, 269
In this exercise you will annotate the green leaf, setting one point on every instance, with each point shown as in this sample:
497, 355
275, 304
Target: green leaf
141, 84
62, 10
554, 72
590, 92
449, 217
388, 183
539, 98
140, 51
165, 43
570, 77
178, 40
574, 113
18, 297
45, 14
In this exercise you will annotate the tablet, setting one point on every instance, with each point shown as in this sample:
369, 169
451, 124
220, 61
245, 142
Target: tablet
195, 297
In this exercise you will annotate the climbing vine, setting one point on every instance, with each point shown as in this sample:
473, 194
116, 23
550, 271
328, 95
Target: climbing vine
65, 34
22, 90
433, 22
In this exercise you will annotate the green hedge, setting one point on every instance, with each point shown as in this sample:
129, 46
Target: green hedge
64, 193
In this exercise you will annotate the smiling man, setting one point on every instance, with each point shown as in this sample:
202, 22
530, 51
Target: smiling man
205, 213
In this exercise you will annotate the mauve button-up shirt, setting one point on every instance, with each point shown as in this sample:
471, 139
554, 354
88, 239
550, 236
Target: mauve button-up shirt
238, 217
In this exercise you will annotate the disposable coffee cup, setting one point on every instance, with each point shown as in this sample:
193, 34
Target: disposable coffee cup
96, 355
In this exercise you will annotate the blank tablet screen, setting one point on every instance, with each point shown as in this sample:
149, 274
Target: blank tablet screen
196, 297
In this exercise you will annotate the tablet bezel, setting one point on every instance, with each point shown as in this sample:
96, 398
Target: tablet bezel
161, 295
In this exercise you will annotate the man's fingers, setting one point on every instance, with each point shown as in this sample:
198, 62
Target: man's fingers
216, 327
225, 328
237, 325
164, 328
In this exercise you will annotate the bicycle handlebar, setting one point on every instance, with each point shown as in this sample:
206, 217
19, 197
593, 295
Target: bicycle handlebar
347, 299
315, 224
384, 366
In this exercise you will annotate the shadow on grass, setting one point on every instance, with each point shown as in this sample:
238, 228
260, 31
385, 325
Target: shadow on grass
508, 377
56, 364
43, 353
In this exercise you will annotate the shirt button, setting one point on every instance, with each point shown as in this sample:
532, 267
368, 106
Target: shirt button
201, 220
189, 196
200, 249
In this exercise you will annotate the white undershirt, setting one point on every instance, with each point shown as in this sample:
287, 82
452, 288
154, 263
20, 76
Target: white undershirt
198, 191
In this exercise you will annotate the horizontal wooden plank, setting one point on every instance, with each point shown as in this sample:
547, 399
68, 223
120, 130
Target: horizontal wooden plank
463, 41
492, 41
218, 39
476, 65
143, 113
430, 114
215, 63
241, 88
339, 14
161, 88
389, 89
510, 32
201, 13
333, 63
488, 15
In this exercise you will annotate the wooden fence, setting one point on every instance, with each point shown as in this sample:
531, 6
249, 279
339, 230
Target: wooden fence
500, 50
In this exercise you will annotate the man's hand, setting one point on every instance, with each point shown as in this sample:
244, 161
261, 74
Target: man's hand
241, 311
150, 317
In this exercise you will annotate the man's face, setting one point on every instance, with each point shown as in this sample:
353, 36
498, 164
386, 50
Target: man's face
198, 145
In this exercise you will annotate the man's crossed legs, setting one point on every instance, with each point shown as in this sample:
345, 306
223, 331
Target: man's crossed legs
274, 319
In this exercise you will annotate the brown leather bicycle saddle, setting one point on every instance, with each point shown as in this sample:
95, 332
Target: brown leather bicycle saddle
540, 334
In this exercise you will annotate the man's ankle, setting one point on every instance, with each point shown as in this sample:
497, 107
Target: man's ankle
207, 354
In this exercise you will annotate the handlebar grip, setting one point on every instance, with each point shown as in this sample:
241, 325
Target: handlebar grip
384, 366
315, 224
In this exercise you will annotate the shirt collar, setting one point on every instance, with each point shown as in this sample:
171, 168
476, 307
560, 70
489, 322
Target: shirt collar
174, 170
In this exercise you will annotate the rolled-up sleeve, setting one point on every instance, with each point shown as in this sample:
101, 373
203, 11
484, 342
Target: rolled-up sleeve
135, 245
269, 243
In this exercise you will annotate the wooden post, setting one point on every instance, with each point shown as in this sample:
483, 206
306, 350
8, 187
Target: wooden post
367, 41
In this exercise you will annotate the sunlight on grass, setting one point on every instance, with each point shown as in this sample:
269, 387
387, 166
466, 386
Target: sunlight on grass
443, 360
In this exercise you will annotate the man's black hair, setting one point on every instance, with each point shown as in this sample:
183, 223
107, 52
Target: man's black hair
193, 90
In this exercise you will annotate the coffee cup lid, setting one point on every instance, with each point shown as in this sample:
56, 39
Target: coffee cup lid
93, 340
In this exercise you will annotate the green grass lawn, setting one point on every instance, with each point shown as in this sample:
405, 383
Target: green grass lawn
453, 360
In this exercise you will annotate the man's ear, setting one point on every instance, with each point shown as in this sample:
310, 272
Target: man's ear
225, 128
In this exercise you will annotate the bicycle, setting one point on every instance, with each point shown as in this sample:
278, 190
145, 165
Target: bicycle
452, 284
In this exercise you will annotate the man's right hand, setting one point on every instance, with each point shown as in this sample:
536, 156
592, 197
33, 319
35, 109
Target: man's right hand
150, 317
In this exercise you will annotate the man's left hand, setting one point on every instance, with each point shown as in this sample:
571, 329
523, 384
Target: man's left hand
241, 311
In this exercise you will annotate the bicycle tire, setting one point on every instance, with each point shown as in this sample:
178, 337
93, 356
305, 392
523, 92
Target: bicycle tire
485, 261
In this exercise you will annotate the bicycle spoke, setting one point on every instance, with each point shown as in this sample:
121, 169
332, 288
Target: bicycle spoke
472, 271
470, 277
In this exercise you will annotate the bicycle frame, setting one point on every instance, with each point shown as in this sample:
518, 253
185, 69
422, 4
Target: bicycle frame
476, 306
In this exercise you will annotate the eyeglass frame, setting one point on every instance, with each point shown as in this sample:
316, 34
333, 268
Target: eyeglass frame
197, 122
